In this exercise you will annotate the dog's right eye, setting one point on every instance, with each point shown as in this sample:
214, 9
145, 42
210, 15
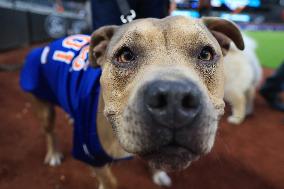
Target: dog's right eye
206, 54
124, 55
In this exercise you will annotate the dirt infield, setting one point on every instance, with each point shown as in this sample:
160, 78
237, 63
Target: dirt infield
249, 156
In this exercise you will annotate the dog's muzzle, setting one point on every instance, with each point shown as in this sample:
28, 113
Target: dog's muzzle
169, 122
172, 104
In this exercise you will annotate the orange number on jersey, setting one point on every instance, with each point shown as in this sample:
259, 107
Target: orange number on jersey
76, 42
63, 56
80, 62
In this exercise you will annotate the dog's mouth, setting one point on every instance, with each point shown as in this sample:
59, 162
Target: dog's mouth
172, 157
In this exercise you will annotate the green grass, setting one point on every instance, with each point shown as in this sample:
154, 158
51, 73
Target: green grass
270, 47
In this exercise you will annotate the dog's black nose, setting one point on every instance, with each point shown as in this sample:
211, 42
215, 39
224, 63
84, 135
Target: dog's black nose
173, 104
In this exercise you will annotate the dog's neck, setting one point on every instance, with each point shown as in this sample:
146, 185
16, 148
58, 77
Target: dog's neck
108, 141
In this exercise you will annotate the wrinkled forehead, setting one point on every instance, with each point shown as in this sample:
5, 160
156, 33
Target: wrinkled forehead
168, 31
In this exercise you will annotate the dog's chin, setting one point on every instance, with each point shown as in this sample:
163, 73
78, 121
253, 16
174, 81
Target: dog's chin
170, 158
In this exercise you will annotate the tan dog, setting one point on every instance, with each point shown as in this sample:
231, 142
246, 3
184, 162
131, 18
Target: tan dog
162, 88
242, 75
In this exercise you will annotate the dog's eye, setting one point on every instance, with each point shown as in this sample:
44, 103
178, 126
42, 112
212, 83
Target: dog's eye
125, 55
206, 54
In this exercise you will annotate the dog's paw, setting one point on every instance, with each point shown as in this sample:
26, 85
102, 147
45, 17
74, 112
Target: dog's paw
53, 159
110, 185
161, 178
235, 120
101, 187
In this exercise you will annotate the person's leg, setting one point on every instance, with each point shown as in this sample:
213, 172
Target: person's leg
272, 87
105, 12
151, 8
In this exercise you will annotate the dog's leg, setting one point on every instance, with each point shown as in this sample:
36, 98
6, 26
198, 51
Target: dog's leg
250, 94
161, 178
46, 114
105, 177
238, 103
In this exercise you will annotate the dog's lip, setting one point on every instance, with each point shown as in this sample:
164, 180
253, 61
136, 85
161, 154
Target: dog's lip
171, 157
172, 147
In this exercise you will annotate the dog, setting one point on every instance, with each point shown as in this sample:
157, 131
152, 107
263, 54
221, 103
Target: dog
243, 74
152, 88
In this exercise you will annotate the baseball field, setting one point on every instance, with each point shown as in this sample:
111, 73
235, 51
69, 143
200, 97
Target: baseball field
248, 156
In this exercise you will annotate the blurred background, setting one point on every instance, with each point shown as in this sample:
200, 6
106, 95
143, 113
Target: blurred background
250, 155
40, 20
261, 19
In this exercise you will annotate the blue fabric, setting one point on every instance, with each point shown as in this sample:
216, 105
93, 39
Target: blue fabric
76, 91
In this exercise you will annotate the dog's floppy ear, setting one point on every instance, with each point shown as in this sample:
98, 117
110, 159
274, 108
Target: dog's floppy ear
224, 31
98, 44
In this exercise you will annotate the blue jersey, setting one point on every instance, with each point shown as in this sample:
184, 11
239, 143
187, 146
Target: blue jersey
59, 73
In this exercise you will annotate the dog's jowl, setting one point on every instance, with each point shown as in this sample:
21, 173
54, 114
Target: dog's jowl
152, 88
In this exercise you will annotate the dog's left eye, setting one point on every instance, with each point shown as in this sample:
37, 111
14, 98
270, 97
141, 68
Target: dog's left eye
125, 55
206, 54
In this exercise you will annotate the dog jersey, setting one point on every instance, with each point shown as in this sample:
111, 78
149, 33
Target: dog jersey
59, 73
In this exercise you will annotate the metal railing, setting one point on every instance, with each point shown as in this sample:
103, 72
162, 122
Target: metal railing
72, 10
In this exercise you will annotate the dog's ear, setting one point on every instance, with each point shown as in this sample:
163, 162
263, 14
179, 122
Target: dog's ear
99, 42
225, 32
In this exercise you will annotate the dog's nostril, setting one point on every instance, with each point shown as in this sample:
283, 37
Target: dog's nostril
172, 104
158, 101
188, 102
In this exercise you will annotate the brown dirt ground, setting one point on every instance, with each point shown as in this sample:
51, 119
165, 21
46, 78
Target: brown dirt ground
247, 156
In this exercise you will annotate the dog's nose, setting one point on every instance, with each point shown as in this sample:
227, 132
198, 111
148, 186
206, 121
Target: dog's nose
173, 104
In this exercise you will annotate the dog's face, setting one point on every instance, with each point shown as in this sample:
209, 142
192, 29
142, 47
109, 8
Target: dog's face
162, 84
